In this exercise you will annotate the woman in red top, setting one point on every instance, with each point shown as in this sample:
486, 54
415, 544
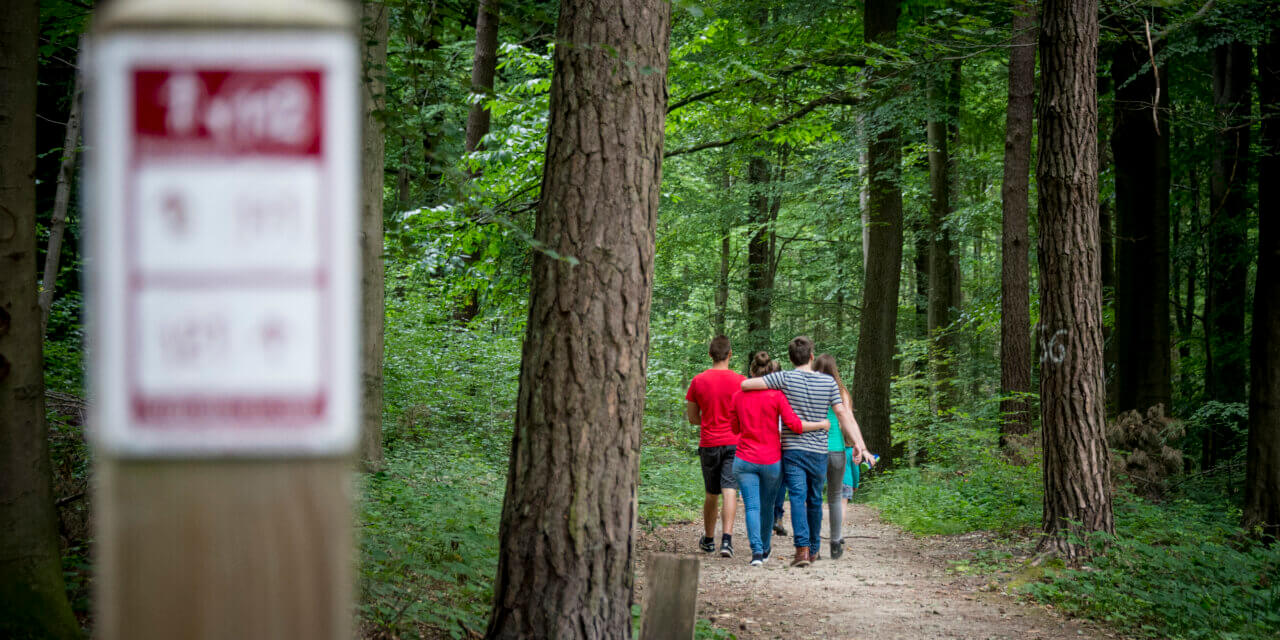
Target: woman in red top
754, 416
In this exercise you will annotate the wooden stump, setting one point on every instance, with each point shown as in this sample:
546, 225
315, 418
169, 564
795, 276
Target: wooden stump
671, 609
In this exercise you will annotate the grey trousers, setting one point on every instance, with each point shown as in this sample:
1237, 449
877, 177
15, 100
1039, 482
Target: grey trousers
835, 478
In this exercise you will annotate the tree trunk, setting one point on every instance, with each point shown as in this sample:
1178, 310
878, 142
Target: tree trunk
1140, 152
1106, 244
483, 68
722, 283
373, 312
1015, 269
877, 336
565, 564
61, 202
33, 600
759, 293
1262, 469
1228, 259
1077, 497
942, 277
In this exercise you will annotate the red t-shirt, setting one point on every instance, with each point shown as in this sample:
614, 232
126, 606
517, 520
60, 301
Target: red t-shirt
713, 391
754, 415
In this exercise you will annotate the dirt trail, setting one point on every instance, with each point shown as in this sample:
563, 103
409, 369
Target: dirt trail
888, 586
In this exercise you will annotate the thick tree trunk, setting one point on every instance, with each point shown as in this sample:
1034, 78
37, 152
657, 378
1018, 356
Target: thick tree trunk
565, 565
1077, 497
759, 293
1140, 153
1262, 469
61, 203
1015, 269
942, 275
372, 292
1228, 259
877, 336
33, 600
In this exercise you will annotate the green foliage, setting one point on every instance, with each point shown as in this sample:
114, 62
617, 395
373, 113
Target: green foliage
991, 494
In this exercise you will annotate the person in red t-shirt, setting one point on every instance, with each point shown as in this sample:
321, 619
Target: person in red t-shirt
757, 465
707, 405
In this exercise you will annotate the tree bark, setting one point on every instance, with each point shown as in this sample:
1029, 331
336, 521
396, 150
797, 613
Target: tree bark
1228, 260
759, 293
61, 203
372, 287
942, 273
877, 336
33, 601
719, 322
1015, 268
1106, 244
1077, 497
1140, 152
483, 68
1262, 466
565, 563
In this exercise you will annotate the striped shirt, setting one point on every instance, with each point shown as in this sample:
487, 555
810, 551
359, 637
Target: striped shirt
810, 394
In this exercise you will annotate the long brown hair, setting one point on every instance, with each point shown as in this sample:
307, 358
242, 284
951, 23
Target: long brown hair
826, 363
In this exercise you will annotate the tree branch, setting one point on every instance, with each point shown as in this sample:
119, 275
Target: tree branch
829, 61
839, 97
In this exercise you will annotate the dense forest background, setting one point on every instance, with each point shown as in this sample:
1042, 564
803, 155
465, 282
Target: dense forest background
779, 217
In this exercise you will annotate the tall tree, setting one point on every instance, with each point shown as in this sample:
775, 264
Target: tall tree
1015, 272
565, 563
1140, 156
944, 290
760, 246
1262, 468
61, 203
1077, 493
372, 289
483, 68
877, 335
33, 600
1228, 259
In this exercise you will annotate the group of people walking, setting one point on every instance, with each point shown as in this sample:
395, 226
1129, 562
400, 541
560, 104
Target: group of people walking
772, 434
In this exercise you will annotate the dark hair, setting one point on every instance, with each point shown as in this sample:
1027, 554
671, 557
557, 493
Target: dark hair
761, 364
826, 363
719, 350
800, 350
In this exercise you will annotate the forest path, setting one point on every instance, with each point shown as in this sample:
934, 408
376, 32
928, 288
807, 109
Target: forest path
889, 585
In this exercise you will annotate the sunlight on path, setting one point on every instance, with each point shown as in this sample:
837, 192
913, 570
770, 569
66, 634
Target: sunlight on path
888, 586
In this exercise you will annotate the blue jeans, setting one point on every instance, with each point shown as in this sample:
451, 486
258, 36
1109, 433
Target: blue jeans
779, 499
757, 483
805, 474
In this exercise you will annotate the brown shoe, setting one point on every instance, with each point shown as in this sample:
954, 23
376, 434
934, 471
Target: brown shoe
814, 556
802, 557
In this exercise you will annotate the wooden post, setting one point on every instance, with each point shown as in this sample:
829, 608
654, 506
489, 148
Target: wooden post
224, 146
671, 608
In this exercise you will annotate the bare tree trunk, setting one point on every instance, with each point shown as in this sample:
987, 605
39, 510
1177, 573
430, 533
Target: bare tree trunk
1077, 497
1015, 270
1262, 468
1106, 244
877, 336
565, 564
1140, 148
759, 293
33, 600
1228, 251
372, 286
61, 202
483, 68
722, 282
942, 274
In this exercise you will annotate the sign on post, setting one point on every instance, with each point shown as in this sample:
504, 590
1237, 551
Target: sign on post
225, 244
222, 209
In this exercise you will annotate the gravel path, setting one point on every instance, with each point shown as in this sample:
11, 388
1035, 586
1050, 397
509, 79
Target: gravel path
888, 586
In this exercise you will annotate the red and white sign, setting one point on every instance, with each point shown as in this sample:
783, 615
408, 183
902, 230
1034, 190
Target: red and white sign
223, 223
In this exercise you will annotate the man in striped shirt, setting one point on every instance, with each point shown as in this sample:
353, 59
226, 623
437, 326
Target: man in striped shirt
804, 455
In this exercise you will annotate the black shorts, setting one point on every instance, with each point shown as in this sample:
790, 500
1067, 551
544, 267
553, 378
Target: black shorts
717, 468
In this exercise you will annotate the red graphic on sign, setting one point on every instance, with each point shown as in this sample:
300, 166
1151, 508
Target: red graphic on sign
221, 111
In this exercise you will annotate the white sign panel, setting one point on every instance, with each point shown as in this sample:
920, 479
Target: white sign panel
222, 206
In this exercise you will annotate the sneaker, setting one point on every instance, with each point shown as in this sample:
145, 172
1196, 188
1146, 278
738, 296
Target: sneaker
802, 557
726, 548
707, 544
757, 559
766, 555
837, 549
779, 530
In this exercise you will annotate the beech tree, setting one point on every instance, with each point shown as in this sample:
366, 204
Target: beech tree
565, 563
1077, 491
373, 315
33, 601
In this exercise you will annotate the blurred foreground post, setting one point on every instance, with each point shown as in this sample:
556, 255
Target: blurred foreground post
223, 163
671, 608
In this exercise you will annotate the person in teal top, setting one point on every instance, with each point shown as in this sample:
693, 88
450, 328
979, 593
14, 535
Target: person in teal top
842, 473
